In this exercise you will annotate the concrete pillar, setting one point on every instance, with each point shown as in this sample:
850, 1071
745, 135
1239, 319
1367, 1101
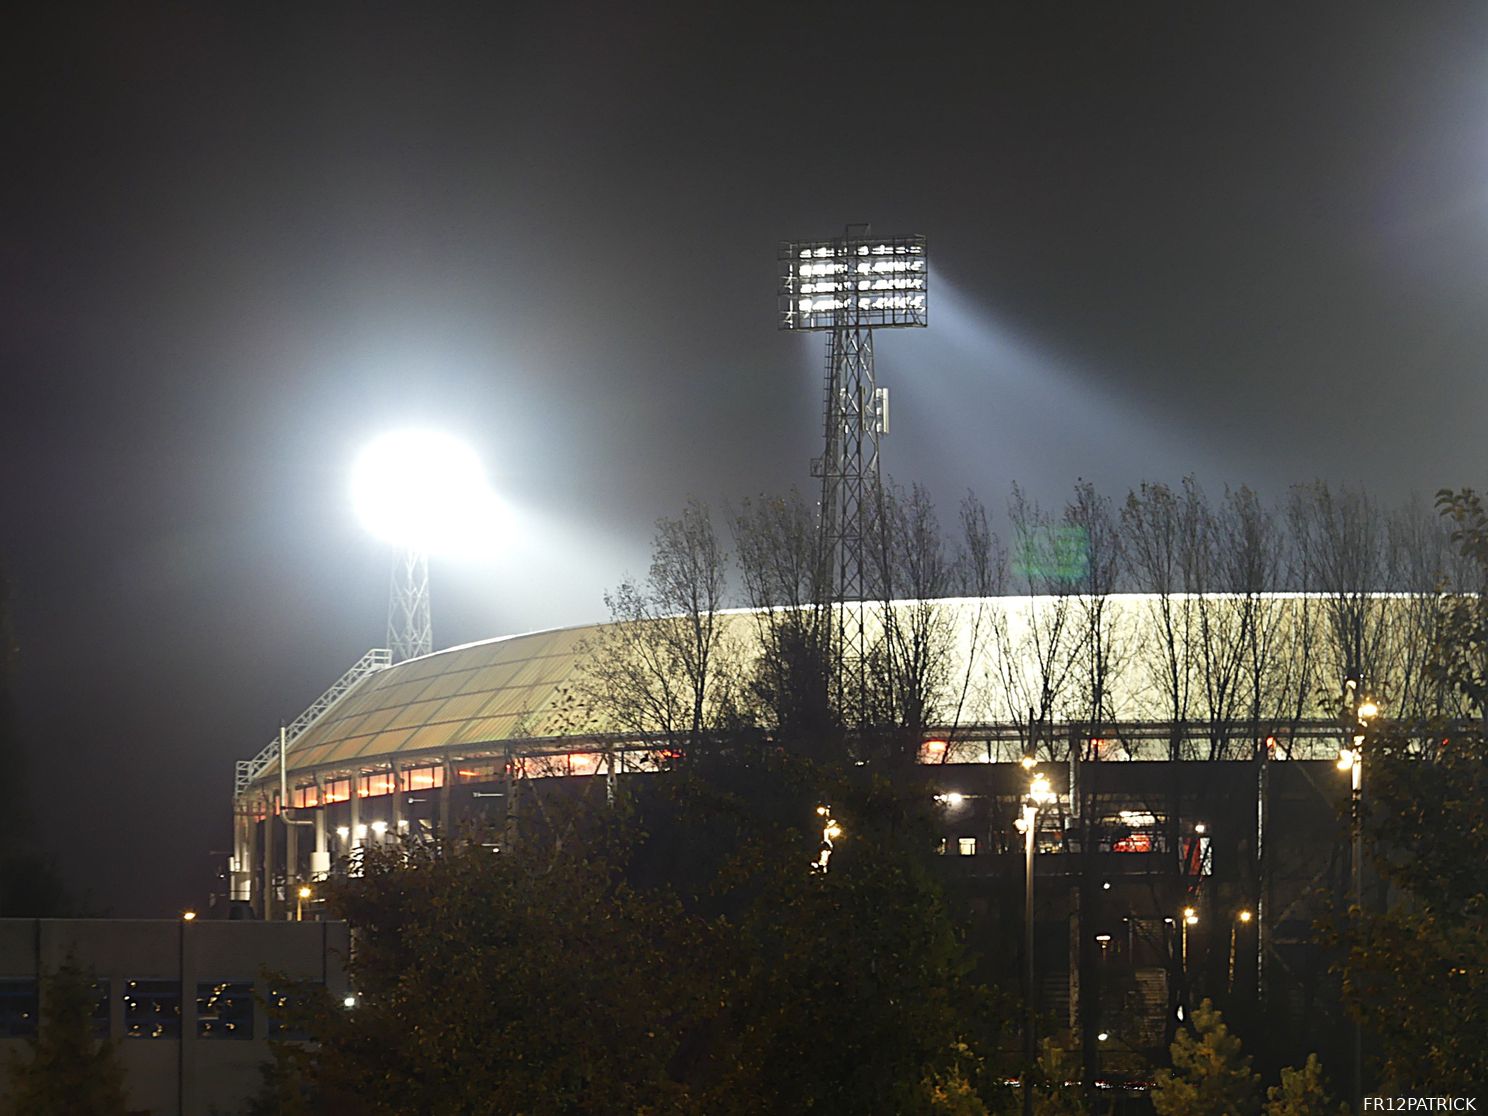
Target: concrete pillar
356, 841
446, 794
291, 852
320, 857
271, 822
240, 871
397, 816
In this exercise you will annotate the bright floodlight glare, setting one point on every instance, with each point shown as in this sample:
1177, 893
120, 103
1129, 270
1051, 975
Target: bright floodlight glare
427, 491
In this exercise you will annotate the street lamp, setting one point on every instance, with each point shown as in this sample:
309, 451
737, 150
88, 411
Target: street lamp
1040, 794
1190, 918
300, 896
1241, 916
831, 830
1351, 759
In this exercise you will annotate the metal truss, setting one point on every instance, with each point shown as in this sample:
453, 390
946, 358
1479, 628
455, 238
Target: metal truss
410, 624
850, 501
849, 286
247, 771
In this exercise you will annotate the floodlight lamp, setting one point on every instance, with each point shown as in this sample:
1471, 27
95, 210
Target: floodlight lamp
1103, 1036
1367, 710
427, 491
379, 827
1029, 763
1345, 759
951, 798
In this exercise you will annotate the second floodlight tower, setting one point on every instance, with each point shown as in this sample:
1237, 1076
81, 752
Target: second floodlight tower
848, 287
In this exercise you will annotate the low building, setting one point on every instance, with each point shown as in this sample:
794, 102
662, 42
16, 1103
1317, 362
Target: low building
187, 1002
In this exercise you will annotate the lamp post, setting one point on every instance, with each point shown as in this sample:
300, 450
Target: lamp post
1039, 794
1359, 712
1242, 916
1190, 918
300, 896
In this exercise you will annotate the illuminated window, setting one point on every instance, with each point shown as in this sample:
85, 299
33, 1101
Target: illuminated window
478, 771
423, 778
338, 790
152, 1009
966, 846
305, 797
546, 767
585, 763
932, 751
371, 786
224, 1010
17, 1008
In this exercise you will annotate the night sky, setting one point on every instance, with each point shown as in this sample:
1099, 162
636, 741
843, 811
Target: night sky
1248, 241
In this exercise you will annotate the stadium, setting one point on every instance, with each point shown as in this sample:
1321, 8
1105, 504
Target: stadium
1191, 743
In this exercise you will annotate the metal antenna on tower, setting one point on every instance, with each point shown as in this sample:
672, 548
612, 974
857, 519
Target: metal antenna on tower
410, 624
849, 286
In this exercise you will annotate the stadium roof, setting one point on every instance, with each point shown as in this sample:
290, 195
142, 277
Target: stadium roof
523, 688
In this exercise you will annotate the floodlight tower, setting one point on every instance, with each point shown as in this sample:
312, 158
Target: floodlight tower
848, 286
410, 631
422, 491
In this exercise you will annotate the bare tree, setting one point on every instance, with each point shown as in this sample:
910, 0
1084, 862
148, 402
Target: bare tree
787, 582
1152, 524
911, 664
1036, 662
663, 670
1342, 538
1101, 654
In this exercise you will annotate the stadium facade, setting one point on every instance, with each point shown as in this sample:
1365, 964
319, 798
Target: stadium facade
1191, 739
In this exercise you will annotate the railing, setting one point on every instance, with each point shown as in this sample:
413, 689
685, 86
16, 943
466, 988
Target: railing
247, 771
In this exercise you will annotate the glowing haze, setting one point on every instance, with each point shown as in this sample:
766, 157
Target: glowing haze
427, 490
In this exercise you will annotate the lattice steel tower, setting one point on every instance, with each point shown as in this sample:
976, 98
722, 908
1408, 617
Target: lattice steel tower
410, 624
849, 286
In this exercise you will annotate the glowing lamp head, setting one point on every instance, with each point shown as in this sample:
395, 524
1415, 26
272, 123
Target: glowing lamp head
1190, 916
188, 916
1368, 710
1345, 759
1039, 790
426, 491
304, 893
1029, 763
1245, 916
